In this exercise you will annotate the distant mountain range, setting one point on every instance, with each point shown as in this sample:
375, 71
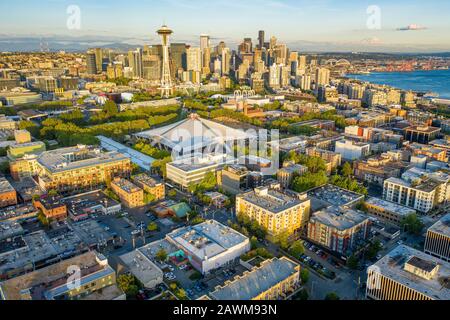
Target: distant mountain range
34, 43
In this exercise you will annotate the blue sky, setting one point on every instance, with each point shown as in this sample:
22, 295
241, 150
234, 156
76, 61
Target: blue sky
336, 23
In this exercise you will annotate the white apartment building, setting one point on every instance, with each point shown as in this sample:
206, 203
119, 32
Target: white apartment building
351, 150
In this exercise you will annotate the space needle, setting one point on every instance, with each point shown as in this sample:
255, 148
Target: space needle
166, 82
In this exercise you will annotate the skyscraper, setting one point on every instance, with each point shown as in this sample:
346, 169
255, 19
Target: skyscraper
135, 62
204, 42
226, 57
166, 80
261, 36
91, 63
194, 59
322, 76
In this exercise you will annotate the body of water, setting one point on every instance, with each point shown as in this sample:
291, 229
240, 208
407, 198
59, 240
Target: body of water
437, 81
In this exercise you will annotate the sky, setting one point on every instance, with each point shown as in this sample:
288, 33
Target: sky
396, 25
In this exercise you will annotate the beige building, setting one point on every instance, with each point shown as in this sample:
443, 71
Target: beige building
408, 274
274, 279
70, 169
437, 242
51, 283
279, 212
131, 195
286, 174
150, 185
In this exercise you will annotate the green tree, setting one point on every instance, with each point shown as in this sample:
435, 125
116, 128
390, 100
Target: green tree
352, 262
153, 226
161, 255
304, 275
309, 181
347, 170
412, 224
332, 296
297, 249
253, 242
30, 126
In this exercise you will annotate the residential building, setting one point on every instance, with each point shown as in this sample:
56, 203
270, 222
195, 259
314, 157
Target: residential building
420, 195
339, 230
278, 211
332, 159
286, 175
408, 274
209, 245
379, 168
351, 150
150, 185
273, 279
130, 195
437, 242
432, 153
73, 168
29, 148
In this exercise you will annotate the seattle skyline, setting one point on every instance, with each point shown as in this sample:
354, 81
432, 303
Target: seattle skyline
326, 25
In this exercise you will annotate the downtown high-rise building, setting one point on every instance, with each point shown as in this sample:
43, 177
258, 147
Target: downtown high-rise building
261, 36
91, 63
322, 76
194, 59
135, 62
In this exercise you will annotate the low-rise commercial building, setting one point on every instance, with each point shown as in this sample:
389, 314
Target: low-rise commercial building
437, 241
408, 274
146, 271
274, 279
52, 207
421, 134
131, 195
53, 282
233, 179
189, 171
387, 210
209, 245
279, 212
8, 195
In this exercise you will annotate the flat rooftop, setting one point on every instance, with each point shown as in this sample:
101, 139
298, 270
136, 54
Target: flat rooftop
390, 206
339, 219
201, 162
138, 158
91, 232
49, 282
9, 229
27, 188
141, 266
207, 239
88, 202
392, 266
274, 200
442, 226
426, 185
332, 195
72, 158
423, 129
5, 186
258, 280
146, 180
126, 185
